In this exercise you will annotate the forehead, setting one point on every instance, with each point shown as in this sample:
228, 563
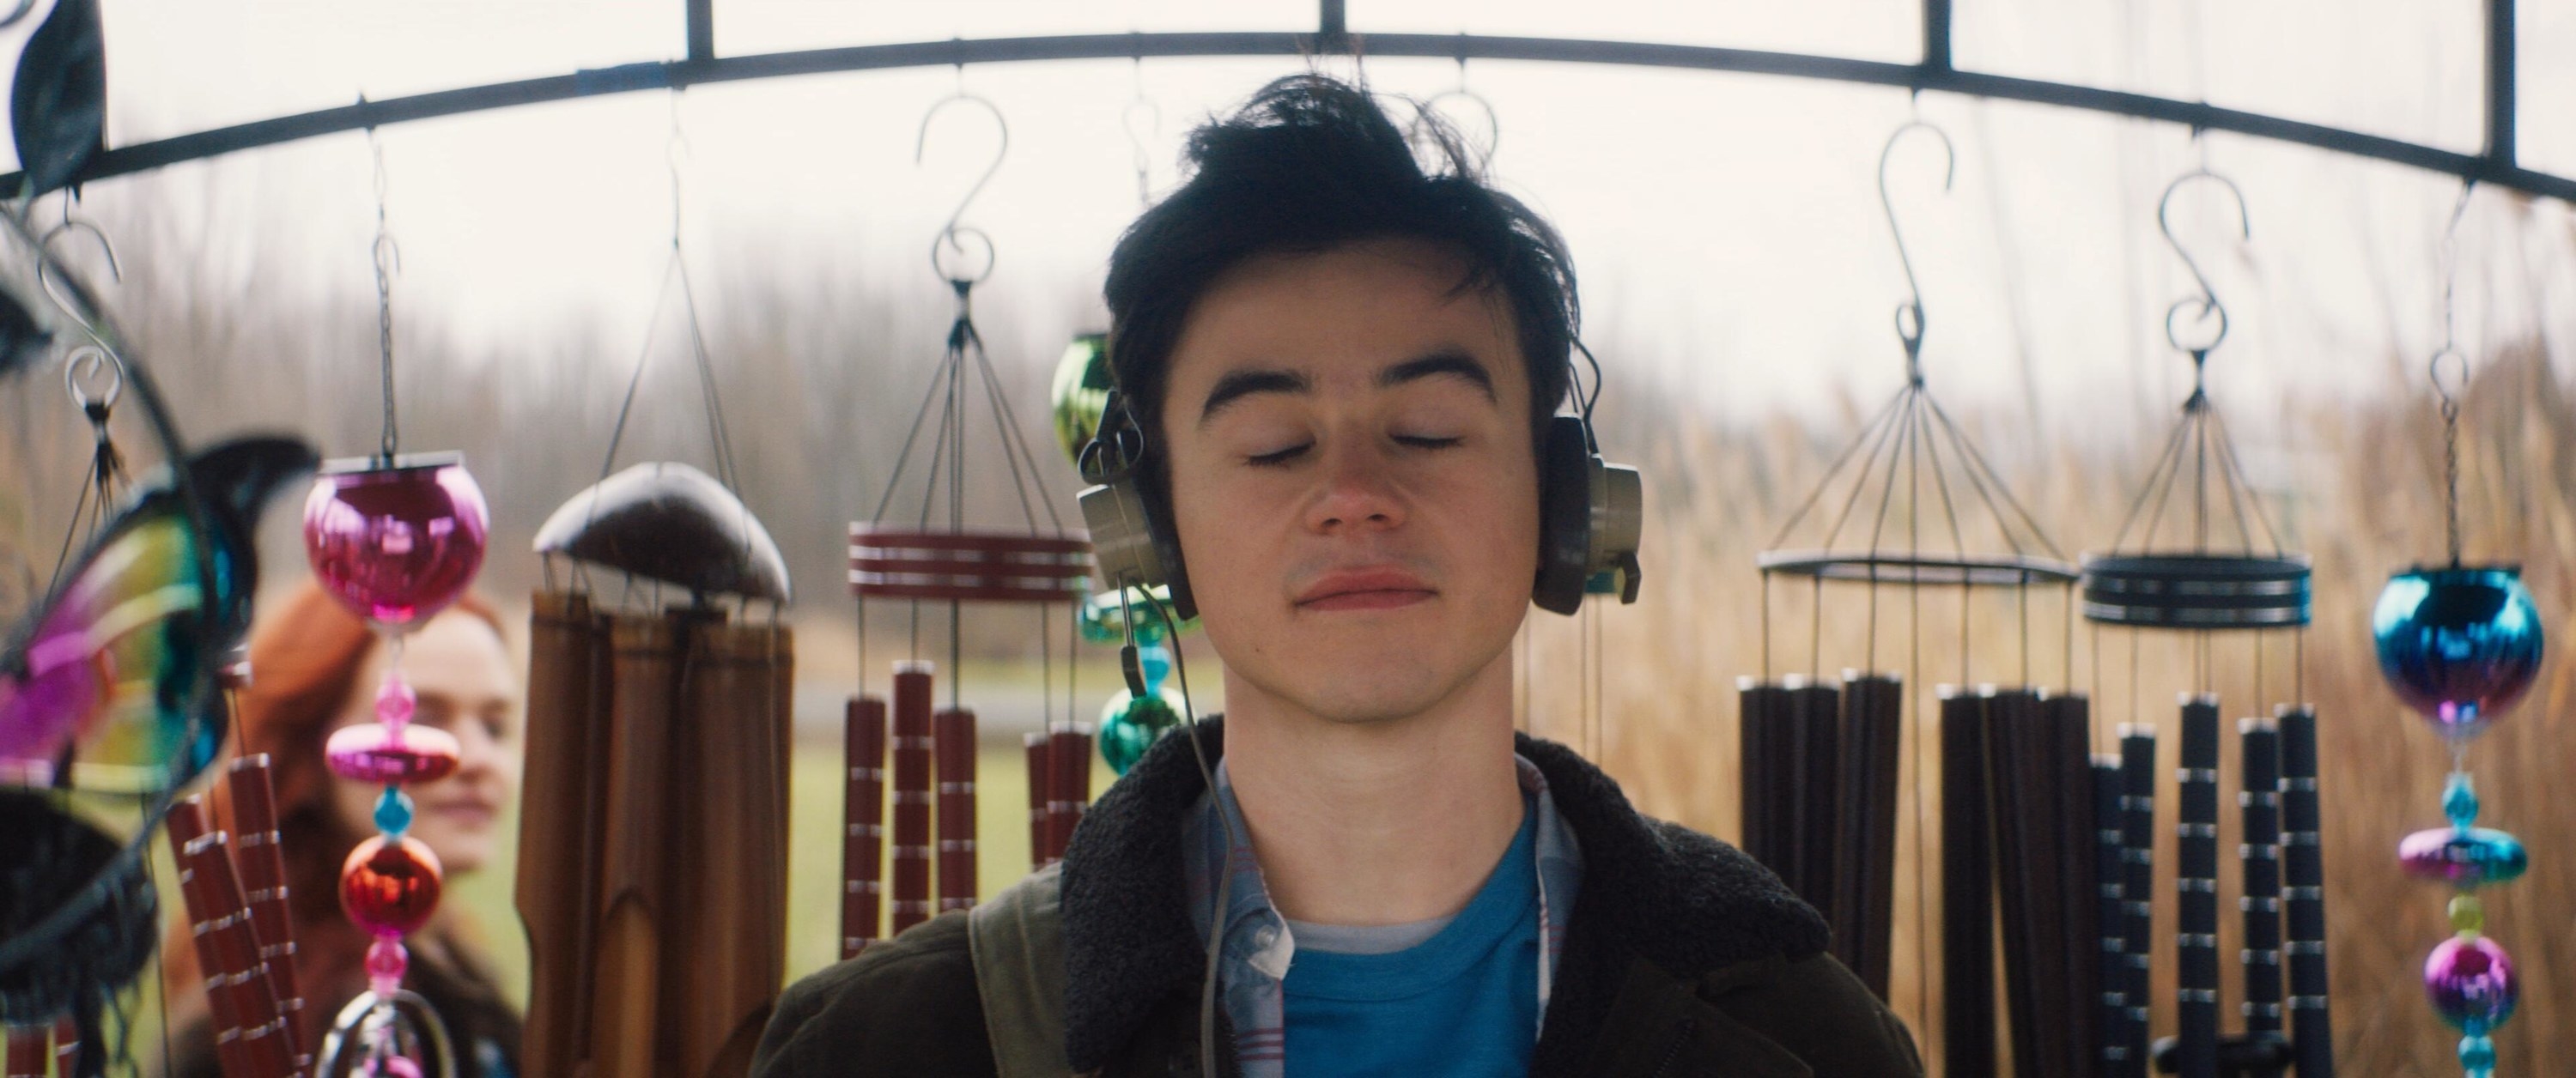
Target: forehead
1345, 310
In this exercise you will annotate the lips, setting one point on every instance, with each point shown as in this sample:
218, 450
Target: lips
466, 811
1370, 588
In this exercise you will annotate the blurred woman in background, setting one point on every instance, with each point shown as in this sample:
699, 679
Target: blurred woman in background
315, 667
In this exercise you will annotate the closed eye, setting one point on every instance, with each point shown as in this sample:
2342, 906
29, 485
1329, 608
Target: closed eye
1425, 442
1278, 459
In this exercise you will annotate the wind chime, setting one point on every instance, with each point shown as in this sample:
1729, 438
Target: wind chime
2460, 644
928, 560
395, 538
2180, 578
113, 686
663, 731
1913, 506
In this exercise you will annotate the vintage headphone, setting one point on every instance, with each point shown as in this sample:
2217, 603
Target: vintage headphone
1591, 513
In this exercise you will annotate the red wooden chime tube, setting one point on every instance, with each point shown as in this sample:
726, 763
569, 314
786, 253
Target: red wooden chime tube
1034, 745
250, 1037
863, 823
262, 864
27, 1048
912, 790
953, 749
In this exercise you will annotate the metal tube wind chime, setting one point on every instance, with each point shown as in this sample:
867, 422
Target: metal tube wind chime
2199, 588
1913, 505
395, 538
2461, 644
930, 560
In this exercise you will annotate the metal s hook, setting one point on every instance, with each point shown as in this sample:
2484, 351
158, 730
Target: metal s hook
2206, 303
952, 236
1493, 120
18, 12
1142, 107
45, 266
83, 368
1909, 314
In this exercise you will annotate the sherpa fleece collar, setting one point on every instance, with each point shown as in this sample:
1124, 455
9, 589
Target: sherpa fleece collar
1652, 890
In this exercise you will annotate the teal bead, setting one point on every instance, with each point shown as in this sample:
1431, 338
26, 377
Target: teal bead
393, 812
2460, 800
1156, 662
2477, 1054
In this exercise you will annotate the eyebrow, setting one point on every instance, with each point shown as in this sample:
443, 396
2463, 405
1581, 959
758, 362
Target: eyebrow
1236, 385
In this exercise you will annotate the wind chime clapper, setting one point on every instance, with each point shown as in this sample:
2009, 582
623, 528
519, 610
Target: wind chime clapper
940, 558
2461, 644
2206, 587
395, 538
1913, 506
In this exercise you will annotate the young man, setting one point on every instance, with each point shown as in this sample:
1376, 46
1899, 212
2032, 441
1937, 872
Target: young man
1342, 368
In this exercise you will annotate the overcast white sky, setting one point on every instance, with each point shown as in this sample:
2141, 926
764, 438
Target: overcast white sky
1725, 225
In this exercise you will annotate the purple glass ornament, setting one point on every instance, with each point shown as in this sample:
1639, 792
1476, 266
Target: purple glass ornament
2466, 859
2469, 979
375, 753
2460, 645
390, 888
396, 544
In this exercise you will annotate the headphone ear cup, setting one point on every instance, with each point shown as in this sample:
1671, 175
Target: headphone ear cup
1167, 549
1564, 516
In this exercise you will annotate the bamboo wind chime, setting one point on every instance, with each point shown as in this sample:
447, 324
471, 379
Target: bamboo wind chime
1823, 761
653, 830
927, 559
2193, 585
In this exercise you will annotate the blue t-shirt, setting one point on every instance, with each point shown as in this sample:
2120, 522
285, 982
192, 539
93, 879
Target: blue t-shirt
1463, 1002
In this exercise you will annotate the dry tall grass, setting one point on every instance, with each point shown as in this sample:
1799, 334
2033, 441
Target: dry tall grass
2363, 501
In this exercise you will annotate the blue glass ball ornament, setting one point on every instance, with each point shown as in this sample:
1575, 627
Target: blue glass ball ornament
1130, 725
2459, 645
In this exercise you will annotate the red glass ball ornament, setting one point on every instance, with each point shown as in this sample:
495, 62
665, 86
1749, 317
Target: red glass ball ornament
396, 544
390, 888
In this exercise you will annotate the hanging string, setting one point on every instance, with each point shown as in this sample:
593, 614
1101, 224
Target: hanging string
2460, 364
388, 260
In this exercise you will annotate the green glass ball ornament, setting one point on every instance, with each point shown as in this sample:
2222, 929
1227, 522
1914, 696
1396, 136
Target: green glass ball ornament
1081, 392
1103, 618
1130, 725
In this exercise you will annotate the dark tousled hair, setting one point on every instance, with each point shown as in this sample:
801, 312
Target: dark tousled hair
1308, 164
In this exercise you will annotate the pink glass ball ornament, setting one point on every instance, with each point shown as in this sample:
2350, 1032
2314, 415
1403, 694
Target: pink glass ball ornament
372, 752
390, 888
396, 544
2470, 981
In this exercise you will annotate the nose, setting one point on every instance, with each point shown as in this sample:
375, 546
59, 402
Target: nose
1359, 492
477, 753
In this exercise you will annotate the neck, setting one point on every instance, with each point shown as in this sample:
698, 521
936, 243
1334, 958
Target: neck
1381, 822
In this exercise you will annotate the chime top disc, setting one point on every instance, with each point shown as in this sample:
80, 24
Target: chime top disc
2197, 591
1996, 571
970, 566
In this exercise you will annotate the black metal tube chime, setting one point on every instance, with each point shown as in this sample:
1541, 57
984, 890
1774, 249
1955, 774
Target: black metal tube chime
1911, 507
2189, 585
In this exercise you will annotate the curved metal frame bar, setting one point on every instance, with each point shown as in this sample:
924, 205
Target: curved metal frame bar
2496, 166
